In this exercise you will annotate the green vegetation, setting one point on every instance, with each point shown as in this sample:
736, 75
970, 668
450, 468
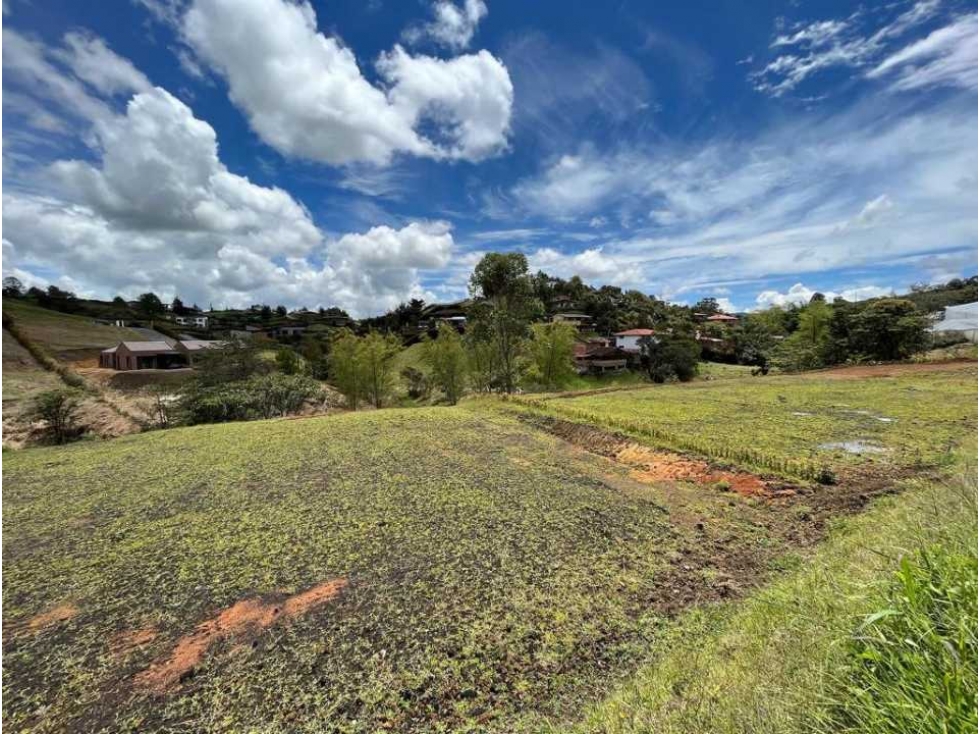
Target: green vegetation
793, 425
58, 409
911, 666
489, 569
64, 336
670, 356
487, 576
258, 396
363, 368
551, 352
499, 318
836, 645
446, 360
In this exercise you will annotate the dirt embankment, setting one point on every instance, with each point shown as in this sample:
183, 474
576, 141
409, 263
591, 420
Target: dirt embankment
653, 465
862, 371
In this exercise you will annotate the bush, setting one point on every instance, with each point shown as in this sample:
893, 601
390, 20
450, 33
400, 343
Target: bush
57, 408
668, 356
288, 362
416, 381
260, 396
362, 368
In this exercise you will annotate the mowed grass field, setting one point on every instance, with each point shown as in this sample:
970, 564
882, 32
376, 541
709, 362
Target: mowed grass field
65, 336
897, 417
429, 569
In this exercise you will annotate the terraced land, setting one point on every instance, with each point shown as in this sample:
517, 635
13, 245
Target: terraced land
430, 569
900, 417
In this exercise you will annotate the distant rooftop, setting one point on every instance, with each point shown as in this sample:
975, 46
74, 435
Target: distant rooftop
635, 332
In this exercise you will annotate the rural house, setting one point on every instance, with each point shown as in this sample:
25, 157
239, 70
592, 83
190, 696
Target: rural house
199, 321
158, 355
629, 340
154, 355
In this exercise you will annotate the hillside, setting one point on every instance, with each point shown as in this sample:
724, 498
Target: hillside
405, 569
64, 336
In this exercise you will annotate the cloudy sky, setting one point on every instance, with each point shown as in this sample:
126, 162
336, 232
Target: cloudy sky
361, 153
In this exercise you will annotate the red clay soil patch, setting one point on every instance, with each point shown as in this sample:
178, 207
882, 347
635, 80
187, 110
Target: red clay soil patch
128, 641
656, 466
249, 616
652, 465
44, 620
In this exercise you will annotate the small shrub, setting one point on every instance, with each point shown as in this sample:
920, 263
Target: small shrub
260, 396
58, 410
416, 381
825, 475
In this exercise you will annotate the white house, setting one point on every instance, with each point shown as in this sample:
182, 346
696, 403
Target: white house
198, 321
962, 320
629, 340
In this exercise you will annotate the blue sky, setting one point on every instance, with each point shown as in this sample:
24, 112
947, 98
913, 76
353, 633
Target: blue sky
362, 153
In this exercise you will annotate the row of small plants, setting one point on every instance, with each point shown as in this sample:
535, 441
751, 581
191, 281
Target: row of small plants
710, 448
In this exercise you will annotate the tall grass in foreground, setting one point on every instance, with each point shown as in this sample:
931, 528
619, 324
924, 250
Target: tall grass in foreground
911, 666
875, 633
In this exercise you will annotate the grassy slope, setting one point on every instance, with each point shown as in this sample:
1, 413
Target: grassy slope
786, 419
492, 570
489, 569
778, 662
64, 335
23, 377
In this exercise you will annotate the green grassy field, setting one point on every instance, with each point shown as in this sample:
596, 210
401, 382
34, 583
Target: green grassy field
65, 336
428, 569
23, 377
905, 417
799, 656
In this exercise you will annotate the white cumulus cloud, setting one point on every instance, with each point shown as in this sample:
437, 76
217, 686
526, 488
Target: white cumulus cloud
304, 93
800, 295
454, 25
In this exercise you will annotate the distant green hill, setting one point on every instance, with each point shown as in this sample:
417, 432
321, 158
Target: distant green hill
953, 293
64, 336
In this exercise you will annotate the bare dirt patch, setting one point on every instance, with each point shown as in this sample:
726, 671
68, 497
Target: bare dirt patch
652, 465
655, 466
40, 622
859, 372
246, 617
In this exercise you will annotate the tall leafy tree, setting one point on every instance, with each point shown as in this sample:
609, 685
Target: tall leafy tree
889, 329
551, 353
445, 358
504, 305
670, 356
376, 359
150, 304
346, 370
